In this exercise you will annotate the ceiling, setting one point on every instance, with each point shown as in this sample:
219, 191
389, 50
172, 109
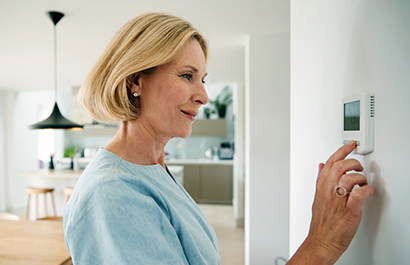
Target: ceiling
26, 32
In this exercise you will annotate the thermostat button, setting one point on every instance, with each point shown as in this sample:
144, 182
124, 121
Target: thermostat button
347, 141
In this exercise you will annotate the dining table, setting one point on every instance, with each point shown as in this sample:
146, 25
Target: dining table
33, 242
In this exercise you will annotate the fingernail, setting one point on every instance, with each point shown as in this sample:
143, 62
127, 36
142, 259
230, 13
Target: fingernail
352, 142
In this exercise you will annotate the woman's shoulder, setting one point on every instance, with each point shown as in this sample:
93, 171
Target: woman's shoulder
108, 167
105, 169
109, 173
108, 183
102, 161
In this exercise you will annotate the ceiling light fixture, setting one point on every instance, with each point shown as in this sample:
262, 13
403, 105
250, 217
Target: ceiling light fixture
56, 120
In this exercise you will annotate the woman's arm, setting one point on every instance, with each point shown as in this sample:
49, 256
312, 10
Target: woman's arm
335, 219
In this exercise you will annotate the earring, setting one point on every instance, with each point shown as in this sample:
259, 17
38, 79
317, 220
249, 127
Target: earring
135, 94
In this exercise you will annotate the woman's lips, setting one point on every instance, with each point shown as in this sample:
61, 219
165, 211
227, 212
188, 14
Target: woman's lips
190, 114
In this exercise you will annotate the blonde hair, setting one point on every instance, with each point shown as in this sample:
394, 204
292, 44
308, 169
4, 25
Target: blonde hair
142, 44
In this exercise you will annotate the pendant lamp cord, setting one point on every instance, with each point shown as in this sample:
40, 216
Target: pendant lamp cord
55, 64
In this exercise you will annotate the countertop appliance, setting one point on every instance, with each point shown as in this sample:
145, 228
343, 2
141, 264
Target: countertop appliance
226, 151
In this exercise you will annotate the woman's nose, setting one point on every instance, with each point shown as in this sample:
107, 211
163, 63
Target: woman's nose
201, 97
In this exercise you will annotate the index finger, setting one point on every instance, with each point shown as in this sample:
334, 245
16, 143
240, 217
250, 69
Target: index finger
342, 152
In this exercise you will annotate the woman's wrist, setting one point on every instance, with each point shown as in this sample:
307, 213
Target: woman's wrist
314, 252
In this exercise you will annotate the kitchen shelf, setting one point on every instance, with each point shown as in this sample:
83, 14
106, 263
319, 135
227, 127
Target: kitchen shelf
209, 127
91, 130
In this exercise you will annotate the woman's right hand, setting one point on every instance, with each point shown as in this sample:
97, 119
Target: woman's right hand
335, 219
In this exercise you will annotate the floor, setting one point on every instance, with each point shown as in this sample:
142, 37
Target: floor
230, 238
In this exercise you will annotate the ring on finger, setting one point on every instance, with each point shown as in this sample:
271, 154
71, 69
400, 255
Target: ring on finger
345, 192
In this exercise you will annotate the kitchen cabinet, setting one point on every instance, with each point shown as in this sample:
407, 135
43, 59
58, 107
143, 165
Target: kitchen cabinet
209, 183
192, 181
216, 184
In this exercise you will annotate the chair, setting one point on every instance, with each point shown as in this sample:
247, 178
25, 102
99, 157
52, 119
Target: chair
68, 191
35, 191
9, 216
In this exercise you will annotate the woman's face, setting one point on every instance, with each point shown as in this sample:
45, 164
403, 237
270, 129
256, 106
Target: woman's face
170, 97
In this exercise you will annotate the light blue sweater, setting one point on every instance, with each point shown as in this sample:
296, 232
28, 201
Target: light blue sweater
123, 213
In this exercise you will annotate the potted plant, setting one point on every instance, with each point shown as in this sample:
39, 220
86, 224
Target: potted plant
207, 112
222, 101
70, 152
214, 115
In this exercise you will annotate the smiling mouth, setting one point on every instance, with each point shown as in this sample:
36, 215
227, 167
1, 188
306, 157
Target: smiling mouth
189, 113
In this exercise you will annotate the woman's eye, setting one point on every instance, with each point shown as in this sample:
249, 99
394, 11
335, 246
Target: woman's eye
187, 76
203, 81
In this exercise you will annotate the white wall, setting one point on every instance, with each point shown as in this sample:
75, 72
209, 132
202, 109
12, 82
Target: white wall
337, 48
267, 149
19, 149
12, 187
21, 143
3, 197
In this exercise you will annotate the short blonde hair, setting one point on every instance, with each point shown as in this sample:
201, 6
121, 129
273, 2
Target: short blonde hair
142, 44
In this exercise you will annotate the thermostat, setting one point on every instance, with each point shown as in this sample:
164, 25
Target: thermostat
358, 121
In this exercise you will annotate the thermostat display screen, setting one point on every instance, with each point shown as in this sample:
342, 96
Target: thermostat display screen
352, 116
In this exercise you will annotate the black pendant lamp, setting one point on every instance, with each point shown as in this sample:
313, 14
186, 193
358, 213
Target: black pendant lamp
56, 120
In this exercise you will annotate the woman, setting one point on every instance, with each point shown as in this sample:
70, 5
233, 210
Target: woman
127, 208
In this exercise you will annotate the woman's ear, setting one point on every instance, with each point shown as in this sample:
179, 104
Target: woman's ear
133, 83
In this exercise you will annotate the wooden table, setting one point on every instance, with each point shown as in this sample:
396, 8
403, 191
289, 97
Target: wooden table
27, 242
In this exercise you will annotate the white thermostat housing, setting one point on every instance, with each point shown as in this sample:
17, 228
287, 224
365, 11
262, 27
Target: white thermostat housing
358, 121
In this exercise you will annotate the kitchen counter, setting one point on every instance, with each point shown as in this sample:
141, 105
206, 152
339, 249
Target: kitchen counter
75, 174
50, 173
198, 162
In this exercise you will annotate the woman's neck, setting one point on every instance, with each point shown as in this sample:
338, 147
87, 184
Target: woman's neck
135, 143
